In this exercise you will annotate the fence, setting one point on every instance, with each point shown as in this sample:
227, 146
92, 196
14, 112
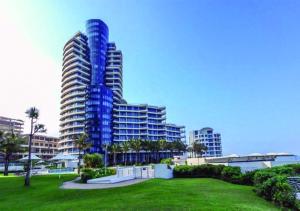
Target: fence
140, 172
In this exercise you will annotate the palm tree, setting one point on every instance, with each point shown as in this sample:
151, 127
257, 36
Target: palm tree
146, 145
155, 147
162, 146
136, 145
33, 115
191, 151
125, 148
105, 147
115, 148
10, 143
198, 149
179, 146
82, 144
170, 147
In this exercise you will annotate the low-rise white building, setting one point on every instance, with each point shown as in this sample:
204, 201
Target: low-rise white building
249, 162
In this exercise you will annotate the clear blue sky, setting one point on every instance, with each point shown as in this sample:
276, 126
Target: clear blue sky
230, 65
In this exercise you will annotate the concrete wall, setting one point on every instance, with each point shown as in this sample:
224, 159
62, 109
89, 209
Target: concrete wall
163, 171
196, 161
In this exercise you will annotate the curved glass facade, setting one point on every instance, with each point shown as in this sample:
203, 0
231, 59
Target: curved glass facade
92, 96
99, 102
97, 33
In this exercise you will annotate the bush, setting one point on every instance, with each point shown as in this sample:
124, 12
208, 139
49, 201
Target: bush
296, 168
93, 160
101, 172
282, 170
217, 171
277, 189
269, 183
86, 174
248, 178
231, 174
262, 175
284, 195
167, 161
206, 170
89, 173
183, 171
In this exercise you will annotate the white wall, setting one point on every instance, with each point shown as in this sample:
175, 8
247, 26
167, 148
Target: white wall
163, 171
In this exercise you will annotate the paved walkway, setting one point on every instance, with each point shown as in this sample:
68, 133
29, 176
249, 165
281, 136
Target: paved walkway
74, 185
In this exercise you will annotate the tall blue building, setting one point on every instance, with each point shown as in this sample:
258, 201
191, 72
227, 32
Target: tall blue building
99, 103
92, 96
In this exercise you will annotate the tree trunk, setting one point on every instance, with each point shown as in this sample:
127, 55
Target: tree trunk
125, 160
148, 157
79, 159
6, 162
136, 157
114, 159
27, 178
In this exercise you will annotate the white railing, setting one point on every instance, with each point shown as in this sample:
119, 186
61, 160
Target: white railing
141, 172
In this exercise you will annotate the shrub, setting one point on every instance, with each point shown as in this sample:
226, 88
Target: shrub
277, 189
269, 183
248, 178
231, 174
283, 194
93, 160
183, 171
89, 173
266, 188
206, 170
217, 170
262, 175
101, 172
86, 174
296, 168
167, 161
282, 170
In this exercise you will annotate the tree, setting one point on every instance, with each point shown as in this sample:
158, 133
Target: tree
146, 146
114, 149
179, 146
190, 150
93, 160
10, 143
136, 145
82, 144
125, 148
33, 115
198, 149
162, 146
170, 147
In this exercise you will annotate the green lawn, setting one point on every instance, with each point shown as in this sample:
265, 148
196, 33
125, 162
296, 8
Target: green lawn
156, 194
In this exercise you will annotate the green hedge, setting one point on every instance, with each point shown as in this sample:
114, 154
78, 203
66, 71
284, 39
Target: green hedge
270, 183
89, 173
206, 170
167, 161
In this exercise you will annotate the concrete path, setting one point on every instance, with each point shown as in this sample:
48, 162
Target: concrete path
74, 185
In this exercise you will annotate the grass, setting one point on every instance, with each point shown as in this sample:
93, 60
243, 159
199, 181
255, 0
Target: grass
155, 194
9, 175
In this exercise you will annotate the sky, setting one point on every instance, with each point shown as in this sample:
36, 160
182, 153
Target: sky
231, 65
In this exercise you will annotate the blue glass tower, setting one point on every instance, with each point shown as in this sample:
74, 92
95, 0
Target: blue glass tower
99, 103
92, 97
